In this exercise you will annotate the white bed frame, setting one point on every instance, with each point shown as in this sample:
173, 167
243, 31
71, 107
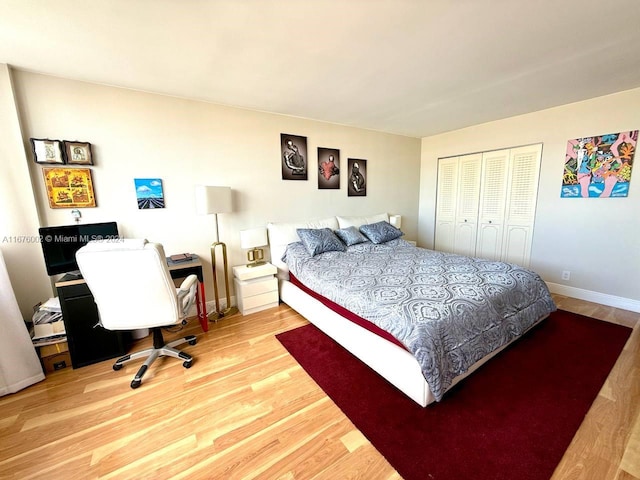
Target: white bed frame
392, 362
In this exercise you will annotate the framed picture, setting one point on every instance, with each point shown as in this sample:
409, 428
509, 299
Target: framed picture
78, 153
47, 151
328, 168
599, 166
69, 187
149, 193
357, 186
293, 156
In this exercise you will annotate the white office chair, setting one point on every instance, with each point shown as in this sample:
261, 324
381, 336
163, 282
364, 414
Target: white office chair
132, 288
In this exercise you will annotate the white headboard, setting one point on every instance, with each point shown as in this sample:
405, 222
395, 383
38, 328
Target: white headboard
282, 234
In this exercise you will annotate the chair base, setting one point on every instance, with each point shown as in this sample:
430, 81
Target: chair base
159, 349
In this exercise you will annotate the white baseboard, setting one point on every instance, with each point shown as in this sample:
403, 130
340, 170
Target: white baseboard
211, 306
596, 297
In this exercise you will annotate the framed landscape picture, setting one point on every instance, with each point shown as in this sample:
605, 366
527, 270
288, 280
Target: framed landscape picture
149, 193
69, 187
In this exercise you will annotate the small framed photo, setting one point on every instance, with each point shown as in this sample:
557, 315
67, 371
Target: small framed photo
78, 153
47, 151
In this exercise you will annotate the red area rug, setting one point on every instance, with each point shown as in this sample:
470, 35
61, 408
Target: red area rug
513, 418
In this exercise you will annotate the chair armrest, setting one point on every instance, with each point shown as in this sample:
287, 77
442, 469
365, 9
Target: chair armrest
187, 294
187, 283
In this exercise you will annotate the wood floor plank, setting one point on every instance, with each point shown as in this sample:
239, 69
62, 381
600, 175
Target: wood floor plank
246, 409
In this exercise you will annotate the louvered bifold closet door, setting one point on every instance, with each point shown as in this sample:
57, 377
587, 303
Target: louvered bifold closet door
446, 198
522, 193
493, 193
469, 170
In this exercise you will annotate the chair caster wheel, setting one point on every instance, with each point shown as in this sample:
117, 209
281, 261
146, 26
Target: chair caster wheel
187, 364
192, 342
135, 383
117, 366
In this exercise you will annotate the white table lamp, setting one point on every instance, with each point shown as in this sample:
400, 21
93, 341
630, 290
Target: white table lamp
214, 200
252, 239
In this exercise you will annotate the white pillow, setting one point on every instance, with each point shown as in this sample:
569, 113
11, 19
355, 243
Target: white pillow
282, 234
357, 222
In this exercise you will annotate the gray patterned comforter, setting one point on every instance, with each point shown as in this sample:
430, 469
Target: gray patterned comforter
448, 310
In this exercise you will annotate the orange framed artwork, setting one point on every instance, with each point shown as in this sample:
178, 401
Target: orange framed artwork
69, 187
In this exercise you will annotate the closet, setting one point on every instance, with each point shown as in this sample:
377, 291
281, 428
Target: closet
485, 203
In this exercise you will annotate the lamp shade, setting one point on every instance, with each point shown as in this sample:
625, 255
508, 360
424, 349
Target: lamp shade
395, 220
253, 237
210, 199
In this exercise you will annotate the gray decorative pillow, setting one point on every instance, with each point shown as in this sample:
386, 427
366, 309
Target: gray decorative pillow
381, 232
320, 240
350, 236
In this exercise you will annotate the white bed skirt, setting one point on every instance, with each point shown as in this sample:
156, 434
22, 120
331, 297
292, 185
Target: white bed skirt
394, 363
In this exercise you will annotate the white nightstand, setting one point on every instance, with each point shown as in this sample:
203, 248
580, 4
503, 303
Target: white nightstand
256, 287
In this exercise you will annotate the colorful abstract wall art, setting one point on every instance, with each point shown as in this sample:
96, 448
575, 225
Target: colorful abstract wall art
599, 166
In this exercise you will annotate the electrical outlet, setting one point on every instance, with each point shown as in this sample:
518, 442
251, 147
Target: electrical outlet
566, 275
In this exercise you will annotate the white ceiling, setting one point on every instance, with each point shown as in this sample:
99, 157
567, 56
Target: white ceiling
415, 68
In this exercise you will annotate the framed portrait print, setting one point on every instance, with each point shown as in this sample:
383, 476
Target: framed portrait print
47, 151
293, 156
357, 186
69, 187
78, 153
328, 168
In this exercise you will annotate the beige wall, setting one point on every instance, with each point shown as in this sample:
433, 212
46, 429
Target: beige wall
141, 135
598, 240
18, 214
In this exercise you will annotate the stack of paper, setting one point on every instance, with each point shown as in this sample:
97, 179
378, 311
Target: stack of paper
51, 305
48, 326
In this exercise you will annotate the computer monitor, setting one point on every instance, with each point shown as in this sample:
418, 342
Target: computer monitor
60, 244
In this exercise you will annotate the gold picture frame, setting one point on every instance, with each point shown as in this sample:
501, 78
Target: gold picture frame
69, 187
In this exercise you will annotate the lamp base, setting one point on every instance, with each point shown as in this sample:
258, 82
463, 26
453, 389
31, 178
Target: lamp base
227, 312
255, 257
230, 310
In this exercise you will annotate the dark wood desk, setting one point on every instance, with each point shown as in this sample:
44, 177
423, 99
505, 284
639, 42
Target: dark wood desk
90, 343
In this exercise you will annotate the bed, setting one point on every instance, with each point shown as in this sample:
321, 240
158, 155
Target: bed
428, 302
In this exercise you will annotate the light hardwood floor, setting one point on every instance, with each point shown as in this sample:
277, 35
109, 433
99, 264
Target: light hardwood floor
246, 409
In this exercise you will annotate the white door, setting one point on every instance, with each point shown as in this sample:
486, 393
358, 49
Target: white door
447, 192
469, 170
493, 191
522, 193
